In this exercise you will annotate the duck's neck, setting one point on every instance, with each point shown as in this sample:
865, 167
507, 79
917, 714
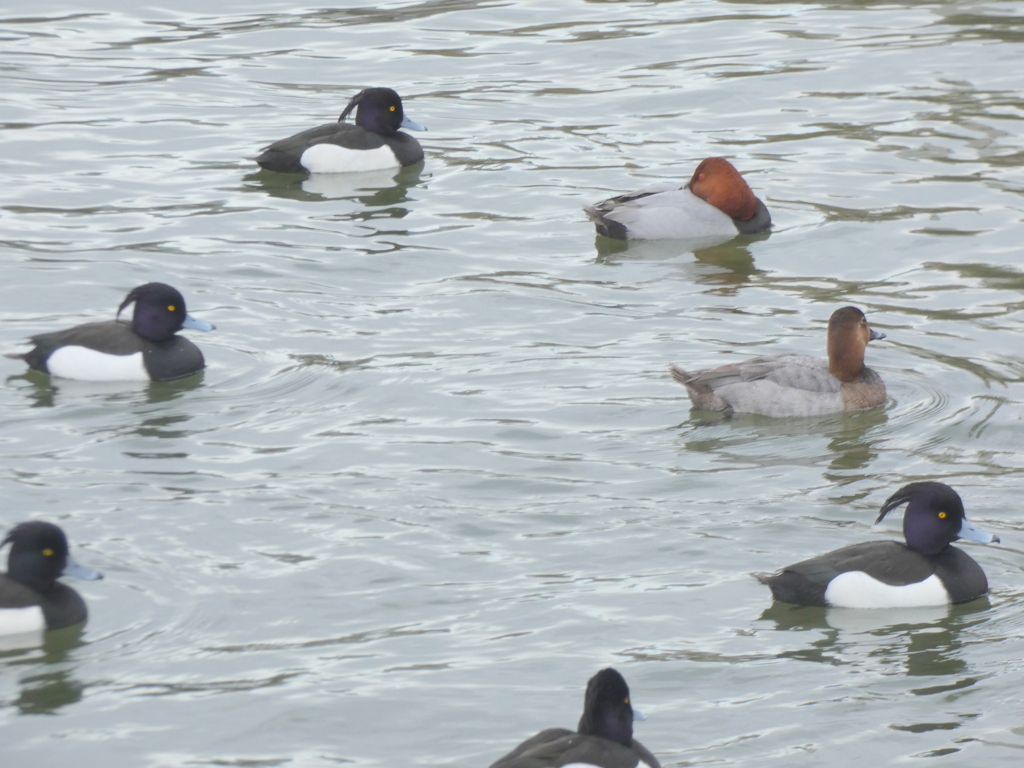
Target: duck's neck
845, 361
608, 724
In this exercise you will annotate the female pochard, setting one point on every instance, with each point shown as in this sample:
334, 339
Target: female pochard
795, 385
603, 738
887, 574
715, 202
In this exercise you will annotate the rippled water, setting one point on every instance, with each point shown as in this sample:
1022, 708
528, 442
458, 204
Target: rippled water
436, 473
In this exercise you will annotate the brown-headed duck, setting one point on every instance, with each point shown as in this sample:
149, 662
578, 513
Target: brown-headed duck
715, 202
795, 385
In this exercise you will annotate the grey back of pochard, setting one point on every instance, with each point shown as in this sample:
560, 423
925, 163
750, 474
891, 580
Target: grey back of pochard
716, 202
792, 384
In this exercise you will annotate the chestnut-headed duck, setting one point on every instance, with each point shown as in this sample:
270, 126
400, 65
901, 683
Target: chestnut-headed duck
716, 202
887, 574
371, 144
795, 385
146, 350
603, 738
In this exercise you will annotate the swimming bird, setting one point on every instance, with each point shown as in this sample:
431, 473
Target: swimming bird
148, 349
886, 574
603, 738
372, 143
31, 598
715, 202
795, 385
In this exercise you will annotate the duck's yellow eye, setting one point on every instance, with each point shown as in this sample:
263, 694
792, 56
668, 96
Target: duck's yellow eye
942, 515
171, 307
48, 552
627, 699
391, 108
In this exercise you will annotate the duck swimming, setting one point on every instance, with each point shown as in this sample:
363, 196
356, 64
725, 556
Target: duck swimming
795, 385
886, 574
31, 598
145, 350
603, 738
715, 202
372, 143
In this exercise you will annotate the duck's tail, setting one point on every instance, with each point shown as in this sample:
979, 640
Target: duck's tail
700, 392
605, 226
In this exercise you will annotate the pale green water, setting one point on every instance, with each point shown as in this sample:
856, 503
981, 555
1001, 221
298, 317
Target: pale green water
436, 473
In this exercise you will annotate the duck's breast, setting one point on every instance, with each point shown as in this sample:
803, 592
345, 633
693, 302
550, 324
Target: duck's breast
63, 607
962, 577
866, 391
174, 358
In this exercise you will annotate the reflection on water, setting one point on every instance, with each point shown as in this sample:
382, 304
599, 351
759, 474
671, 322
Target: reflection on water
388, 188
996, 277
45, 693
166, 426
36, 387
925, 641
734, 259
43, 391
51, 684
855, 447
168, 391
742, 437
730, 258
421, 489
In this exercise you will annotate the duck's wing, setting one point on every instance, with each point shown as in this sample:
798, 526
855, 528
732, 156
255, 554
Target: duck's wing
645, 754
804, 372
788, 370
284, 155
537, 749
305, 138
656, 194
889, 562
16, 595
111, 337
557, 747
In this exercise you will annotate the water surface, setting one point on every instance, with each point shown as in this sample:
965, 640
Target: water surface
436, 473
